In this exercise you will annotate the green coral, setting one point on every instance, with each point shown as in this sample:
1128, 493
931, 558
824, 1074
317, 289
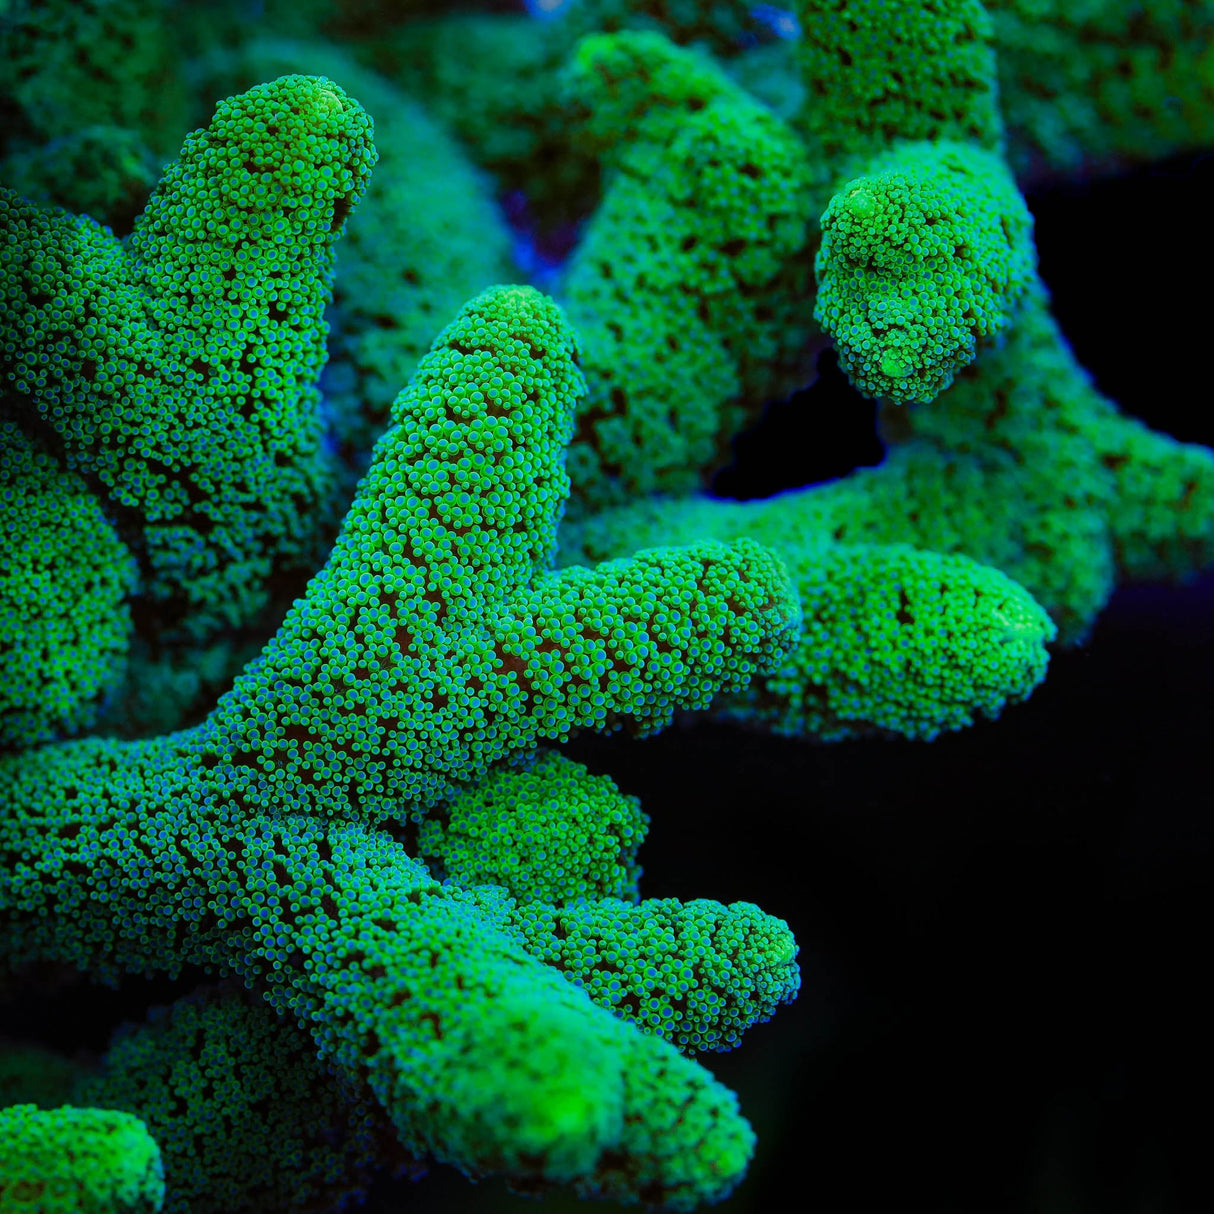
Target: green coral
77, 1161
1094, 83
70, 64
481, 1055
894, 639
697, 973
181, 378
64, 579
425, 238
432, 644
923, 259
550, 832
102, 171
493, 80
364, 828
875, 72
687, 285
245, 1115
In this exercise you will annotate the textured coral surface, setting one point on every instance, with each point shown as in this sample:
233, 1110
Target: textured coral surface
397, 466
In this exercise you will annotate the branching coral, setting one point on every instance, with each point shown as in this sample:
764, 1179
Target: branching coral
432, 644
1021, 464
438, 918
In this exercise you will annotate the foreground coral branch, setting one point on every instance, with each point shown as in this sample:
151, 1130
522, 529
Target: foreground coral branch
431, 645
183, 381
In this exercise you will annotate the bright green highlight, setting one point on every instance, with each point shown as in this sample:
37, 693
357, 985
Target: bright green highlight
77, 1161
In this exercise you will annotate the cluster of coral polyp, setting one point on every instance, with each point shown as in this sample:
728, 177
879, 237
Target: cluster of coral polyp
285, 664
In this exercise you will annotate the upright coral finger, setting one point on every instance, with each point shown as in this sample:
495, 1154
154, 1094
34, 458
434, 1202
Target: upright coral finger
924, 259
178, 369
688, 287
425, 237
432, 644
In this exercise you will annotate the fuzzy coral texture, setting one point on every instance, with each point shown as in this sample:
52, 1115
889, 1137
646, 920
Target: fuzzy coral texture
320, 538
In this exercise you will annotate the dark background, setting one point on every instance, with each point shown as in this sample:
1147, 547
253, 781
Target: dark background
1004, 934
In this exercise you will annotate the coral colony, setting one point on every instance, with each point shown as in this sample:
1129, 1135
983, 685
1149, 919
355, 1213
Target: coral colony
320, 538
